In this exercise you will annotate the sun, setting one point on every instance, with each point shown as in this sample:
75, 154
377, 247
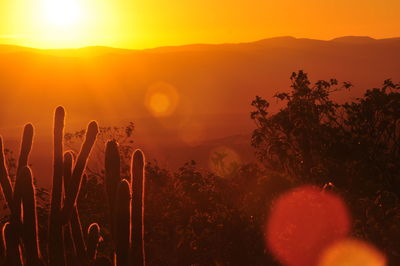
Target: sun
63, 23
61, 14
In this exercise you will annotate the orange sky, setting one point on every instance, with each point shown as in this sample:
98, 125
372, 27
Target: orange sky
151, 23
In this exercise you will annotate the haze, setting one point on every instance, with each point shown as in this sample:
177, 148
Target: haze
153, 23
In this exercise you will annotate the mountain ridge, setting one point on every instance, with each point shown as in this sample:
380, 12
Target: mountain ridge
93, 51
212, 86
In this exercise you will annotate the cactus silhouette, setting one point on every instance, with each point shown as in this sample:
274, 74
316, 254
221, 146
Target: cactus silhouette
137, 205
68, 237
29, 232
13, 230
13, 252
126, 203
76, 178
112, 176
26, 146
122, 223
4, 178
92, 241
56, 240
63, 210
74, 228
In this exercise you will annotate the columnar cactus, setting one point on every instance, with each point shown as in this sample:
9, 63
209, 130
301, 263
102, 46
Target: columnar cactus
26, 146
13, 252
56, 240
63, 210
74, 228
69, 243
4, 177
112, 176
120, 208
76, 178
14, 229
126, 201
122, 223
29, 232
137, 205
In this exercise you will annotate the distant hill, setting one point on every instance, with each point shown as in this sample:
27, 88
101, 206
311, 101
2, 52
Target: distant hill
364, 40
215, 84
210, 79
355, 39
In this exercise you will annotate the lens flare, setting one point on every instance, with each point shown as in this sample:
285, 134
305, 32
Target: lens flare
303, 223
159, 102
161, 99
352, 252
223, 161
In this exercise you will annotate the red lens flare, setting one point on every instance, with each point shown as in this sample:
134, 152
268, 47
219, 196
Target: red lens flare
303, 223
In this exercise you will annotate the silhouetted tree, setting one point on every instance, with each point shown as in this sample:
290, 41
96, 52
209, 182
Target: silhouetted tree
354, 145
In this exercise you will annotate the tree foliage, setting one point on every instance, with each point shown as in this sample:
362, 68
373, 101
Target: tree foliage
355, 145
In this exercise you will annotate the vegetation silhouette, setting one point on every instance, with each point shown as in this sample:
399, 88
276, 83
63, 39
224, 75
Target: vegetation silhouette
64, 228
197, 217
352, 147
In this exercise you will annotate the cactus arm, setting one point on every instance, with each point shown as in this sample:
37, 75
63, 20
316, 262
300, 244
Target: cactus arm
77, 235
4, 178
92, 241
26, 146
68, 237
112, 175
76, 179
56, 243
122, 224
75, 228
67, 170
138, 189
29, 233
13, 252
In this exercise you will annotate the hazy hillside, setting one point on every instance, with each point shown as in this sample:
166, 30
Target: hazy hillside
214, 84
212, 79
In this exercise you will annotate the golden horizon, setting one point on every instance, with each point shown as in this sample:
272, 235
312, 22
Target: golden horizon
189, 44
61, 24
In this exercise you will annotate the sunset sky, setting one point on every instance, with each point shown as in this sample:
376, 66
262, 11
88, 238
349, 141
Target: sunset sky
151, 23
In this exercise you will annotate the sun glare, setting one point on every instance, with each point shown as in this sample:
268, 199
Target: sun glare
161, 99
61, 13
